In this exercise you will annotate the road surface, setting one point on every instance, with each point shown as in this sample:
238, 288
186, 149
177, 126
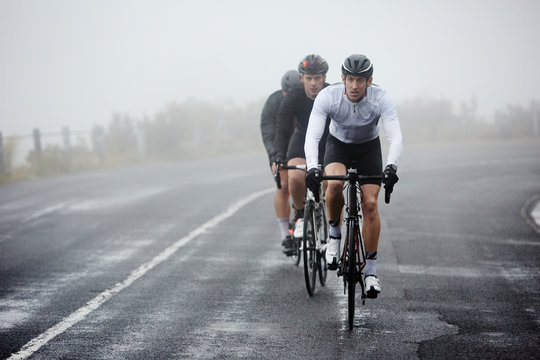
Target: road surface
183, 261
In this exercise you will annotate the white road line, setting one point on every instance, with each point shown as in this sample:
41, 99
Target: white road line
535, 214
33, 345
530, 211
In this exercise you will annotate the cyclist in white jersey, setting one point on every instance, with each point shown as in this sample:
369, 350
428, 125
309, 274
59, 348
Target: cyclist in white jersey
355, 107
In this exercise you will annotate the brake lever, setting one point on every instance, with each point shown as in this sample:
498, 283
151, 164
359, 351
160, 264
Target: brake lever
277, 176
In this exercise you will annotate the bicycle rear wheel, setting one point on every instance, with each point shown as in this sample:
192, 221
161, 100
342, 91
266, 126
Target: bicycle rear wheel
297, 251
310, 248
351, 270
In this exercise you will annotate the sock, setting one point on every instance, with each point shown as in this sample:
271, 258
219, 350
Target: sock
371, 261
299, 213
283, 226
335, 229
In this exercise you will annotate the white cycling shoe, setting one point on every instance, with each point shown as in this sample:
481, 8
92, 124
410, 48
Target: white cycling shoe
332, 253
299, 228
373, 288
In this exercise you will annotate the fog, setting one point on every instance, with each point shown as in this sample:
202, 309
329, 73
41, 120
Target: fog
75, 63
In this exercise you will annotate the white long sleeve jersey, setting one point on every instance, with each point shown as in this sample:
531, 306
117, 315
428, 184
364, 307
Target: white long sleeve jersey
353, 123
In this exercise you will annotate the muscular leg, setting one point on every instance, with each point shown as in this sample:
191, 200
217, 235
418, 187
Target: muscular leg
334, 191
281, 197
297, 183
334, 205
372, 223
281, 203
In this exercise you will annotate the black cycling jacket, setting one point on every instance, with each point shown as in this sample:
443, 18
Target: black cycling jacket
296, 105
269, 122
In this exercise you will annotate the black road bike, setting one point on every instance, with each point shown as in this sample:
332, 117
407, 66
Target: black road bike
312, 245
353, 259
314, 241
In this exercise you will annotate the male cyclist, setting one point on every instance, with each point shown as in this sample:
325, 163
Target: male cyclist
268, 132
355, 107
297, 105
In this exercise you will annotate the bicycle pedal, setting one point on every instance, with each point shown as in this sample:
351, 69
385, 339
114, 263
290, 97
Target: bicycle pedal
333, 266
372, 294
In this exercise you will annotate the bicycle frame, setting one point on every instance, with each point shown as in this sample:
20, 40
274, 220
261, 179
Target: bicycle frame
354, 243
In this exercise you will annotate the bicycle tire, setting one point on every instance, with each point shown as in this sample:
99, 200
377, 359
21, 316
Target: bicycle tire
351, 271
322, 268
297, 255
322, 233
310, 248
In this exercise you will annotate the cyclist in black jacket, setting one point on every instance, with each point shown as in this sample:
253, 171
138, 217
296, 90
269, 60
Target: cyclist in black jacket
293, 117
268, 132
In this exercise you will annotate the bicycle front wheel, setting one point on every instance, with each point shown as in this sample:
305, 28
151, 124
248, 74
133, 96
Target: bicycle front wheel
310, 248
322, 236
351, 270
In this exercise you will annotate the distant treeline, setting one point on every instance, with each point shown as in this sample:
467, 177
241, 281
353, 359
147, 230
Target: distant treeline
428, 120
195, 129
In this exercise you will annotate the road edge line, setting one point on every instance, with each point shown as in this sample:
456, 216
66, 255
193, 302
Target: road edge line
36, 343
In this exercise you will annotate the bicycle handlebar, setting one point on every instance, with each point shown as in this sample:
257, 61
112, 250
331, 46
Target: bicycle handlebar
277, 176
350, 175
354, 176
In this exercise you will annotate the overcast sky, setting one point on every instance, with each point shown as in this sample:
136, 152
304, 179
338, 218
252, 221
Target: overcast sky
76, 62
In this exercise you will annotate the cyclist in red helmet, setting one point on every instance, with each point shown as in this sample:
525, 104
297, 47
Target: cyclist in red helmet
293, 117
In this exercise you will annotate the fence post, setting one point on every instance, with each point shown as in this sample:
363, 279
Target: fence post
2, 167
67, 146
37, 142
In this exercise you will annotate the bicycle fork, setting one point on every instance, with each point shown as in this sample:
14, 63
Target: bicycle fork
354, 274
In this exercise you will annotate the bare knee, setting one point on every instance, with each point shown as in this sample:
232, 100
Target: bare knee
334, 188
297, 184
283, 193
369, 207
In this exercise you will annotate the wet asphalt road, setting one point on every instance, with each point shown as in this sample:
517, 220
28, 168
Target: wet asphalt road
153, 263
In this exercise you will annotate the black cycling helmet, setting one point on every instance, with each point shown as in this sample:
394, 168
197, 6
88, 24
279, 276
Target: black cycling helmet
289, 80
313, 64
357, 65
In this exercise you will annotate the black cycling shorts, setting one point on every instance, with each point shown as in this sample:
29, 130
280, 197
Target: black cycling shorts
296, 147
368, 156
